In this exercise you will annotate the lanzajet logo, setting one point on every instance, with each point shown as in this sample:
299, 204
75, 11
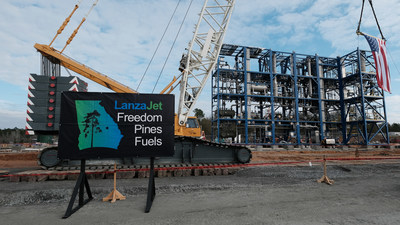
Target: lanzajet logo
96, 126
138, 106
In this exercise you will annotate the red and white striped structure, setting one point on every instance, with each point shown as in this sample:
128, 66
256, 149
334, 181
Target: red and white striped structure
44, 96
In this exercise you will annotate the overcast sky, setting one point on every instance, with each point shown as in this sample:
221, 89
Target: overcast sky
119, 38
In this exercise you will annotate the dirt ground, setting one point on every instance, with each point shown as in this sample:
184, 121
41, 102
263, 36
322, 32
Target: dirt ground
18, 160
364, 192
29, 159
361, 194
307, 154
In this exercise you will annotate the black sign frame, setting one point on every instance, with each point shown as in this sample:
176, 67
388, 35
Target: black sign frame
97, 125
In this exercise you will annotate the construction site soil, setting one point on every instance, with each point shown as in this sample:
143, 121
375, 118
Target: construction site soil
29, 159
18, 159
366, 191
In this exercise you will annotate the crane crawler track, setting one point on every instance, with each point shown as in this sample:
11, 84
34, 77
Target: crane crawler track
126, 172
189, 151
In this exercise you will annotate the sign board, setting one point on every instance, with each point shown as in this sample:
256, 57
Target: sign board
114, 125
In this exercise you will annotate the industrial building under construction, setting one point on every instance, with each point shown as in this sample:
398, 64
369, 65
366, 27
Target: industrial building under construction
266, 97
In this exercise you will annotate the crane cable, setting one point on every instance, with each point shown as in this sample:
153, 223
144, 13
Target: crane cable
377, 23
376, 19
172, 46
79, 26
393, 62
158, 45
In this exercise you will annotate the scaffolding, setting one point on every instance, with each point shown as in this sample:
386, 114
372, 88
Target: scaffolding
266, 97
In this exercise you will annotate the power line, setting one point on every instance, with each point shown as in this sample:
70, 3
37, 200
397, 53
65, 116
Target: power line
393, 62
170, 50
158, 45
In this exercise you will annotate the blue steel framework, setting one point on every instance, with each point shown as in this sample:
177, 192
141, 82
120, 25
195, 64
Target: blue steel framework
364, 102
267, 97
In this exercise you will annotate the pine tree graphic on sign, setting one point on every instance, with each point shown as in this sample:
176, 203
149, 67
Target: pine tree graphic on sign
92, 124
97, 128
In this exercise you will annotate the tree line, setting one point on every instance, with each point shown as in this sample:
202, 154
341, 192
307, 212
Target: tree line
394, 127
14, 135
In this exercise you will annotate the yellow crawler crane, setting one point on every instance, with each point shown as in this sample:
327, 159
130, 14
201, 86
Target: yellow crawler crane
196, 66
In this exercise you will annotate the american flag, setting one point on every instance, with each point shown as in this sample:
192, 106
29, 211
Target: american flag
378, 48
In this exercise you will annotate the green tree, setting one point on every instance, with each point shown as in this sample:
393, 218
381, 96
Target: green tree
198, 113
394, 127
15, 135
205, 124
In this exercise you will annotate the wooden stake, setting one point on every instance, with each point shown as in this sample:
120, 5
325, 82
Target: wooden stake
114, 195
324, 178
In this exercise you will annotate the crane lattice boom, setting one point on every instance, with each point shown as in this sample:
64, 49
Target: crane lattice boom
203, 51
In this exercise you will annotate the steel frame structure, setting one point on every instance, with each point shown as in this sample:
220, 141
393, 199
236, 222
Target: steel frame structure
266, 97
363, 110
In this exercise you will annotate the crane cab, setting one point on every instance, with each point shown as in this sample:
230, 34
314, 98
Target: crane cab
190, 129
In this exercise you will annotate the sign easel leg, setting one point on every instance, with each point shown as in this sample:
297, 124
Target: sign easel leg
325, 178
80, 185
115, 194
151, 190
